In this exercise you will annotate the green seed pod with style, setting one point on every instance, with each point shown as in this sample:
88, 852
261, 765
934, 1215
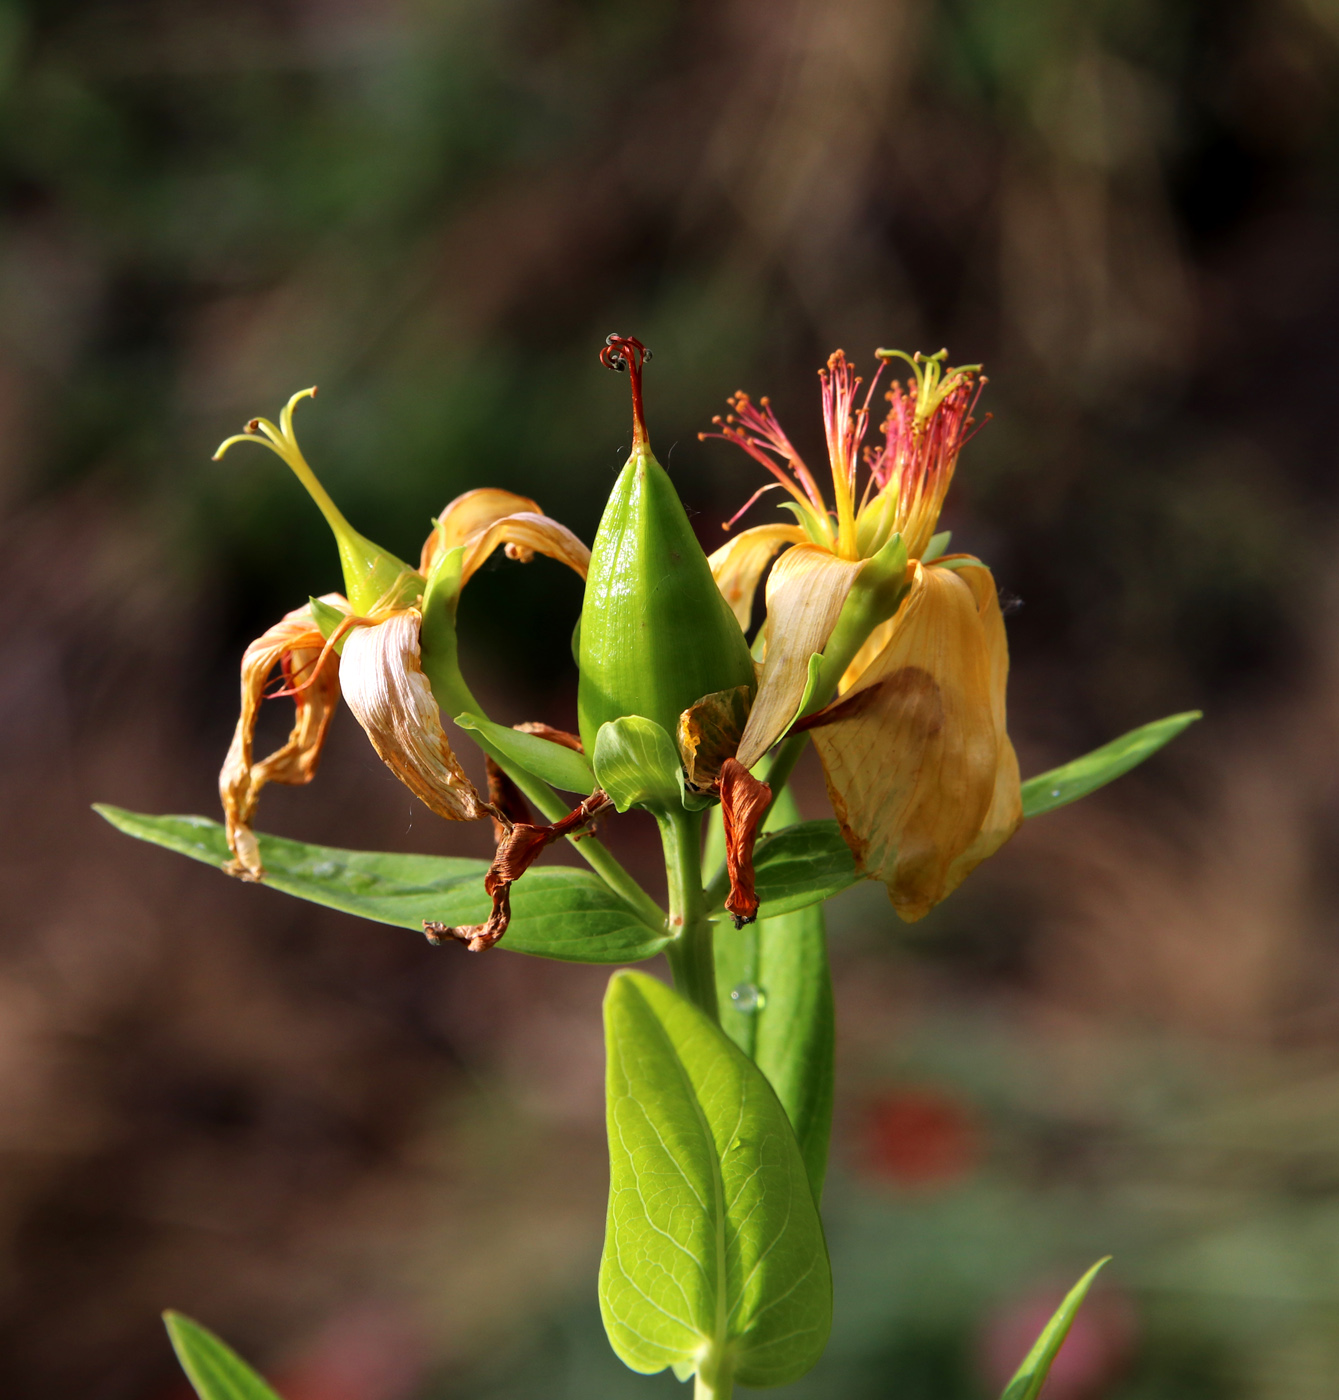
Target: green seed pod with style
656, 634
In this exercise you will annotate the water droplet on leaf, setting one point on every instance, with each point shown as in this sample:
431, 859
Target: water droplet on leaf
1055, 792
748, 998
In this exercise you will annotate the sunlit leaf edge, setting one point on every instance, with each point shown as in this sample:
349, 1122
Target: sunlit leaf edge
207, 844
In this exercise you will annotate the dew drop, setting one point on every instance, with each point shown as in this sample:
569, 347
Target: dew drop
748, 998
1055, 792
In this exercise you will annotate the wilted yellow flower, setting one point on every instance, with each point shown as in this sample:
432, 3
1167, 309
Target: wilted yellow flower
368, 646
919, 766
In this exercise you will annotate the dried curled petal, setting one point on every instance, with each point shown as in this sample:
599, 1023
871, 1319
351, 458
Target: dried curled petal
805, 594
918, 765
709, 732
515, 855
390, 697
738, 565
744, 801
311, 677
483, 519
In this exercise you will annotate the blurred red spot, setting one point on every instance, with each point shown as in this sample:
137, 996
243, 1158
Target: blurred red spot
920, 1138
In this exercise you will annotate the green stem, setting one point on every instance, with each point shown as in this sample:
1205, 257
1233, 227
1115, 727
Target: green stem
721, 1389
691, 955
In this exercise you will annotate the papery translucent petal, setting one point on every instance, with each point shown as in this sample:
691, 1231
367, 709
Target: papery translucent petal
913, 771
738, 565
312, 674
386, 689
805, 593
470, 513
526, 534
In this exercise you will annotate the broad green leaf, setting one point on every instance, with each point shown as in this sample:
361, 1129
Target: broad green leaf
714, 1258
213, 1367
1078, 778
775, 994
557, 912
1031, 1375
637, 764
556, 764
802, 865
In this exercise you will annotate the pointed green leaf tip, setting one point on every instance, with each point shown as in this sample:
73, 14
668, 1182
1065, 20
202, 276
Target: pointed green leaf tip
373, 577
213, 1367
1031, 1375
656, 634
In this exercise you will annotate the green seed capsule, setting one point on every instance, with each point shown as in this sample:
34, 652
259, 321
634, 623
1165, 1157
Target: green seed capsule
656, 634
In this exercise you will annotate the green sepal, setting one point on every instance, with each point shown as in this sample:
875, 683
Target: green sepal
812, 685
213, 1368
439, 653
1076, 779
714, 1258
875, 596
328, 619
775, 994
558, 912
938, 545
656, 634
562, 767
1031, 1375
637, 765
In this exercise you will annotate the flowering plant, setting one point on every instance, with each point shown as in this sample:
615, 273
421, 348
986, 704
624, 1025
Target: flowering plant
878, 645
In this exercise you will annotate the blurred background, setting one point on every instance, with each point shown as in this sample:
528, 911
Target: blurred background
378, 1168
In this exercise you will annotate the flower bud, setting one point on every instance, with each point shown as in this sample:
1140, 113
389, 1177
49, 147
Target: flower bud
656, 633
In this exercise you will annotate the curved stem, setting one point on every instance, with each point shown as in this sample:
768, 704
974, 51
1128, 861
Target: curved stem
691, 954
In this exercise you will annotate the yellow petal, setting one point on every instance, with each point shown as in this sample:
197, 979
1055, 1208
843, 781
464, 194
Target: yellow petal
1005, 814
386, 689
738, 565
805, 593
914, 770
312, 673
468, 515
525, 534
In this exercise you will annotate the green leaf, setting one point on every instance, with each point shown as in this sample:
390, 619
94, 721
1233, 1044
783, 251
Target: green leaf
1071, 781
802, 865
213, 1367
1031, 1375
556, 911
714, 1257
775, 994
637, 764
555, 763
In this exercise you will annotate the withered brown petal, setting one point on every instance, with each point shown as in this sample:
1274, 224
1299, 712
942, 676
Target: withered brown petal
515, 854
391, 698
709, 732
541, 730
744, 800
311, 677
510, 807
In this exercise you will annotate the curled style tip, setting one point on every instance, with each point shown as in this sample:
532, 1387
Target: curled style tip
628, 355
